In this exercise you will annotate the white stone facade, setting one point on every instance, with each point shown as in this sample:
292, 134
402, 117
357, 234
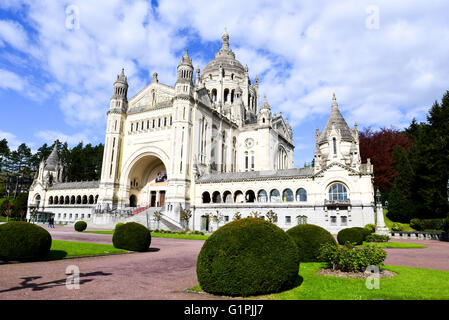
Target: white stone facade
175, 148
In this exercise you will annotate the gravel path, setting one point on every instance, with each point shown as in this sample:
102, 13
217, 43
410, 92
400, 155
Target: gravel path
162, 274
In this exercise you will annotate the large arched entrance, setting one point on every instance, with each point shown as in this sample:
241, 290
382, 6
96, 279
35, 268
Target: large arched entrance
147, 182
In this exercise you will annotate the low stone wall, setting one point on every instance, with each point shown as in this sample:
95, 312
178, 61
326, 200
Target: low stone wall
419, 235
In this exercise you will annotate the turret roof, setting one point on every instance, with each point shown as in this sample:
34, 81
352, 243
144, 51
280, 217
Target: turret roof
337, 120
53, 159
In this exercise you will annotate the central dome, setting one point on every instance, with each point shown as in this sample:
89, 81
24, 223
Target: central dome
225, 58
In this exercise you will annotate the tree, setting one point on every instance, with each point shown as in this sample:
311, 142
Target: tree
255, 214
401, 200
7, 209
185, 217
237, 216
217, 218
272, 216
157, 216
378, 146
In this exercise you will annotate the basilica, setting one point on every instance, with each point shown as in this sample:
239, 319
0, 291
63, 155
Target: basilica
210, 146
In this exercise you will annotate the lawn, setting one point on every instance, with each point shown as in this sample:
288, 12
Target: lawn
394, 245
163, 235
68, 249
407, 284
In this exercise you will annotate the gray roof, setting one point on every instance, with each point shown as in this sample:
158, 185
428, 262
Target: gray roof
75, 185
339, 122
53, 159
255, 175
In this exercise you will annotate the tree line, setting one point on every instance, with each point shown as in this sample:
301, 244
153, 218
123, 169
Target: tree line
19, 167
411, 166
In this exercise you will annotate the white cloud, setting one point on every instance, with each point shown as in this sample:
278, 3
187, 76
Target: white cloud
10, 80
49, 136
13, 33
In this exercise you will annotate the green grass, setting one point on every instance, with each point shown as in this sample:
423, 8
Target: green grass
394, 245
163, 235
68, 249
407, 284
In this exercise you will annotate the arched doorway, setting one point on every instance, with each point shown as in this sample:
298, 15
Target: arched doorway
147, 180
132, 201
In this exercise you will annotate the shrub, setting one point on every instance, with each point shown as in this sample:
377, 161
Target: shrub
428, 224
118, 225
351, 259
23, 241
309, 238
377, 238
248, 257
132, 236
371, 228
366, 232
397, 227
351, 235
80, 226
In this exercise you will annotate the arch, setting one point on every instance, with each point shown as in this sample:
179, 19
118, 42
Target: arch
301, 219
78, 200
301, 195
250, 196
206, 197
216, 197
227, 197
214, 95
67, 200
226, 95
56, 200
96, 198
287, 195
275, 196
132, 201
337, 191
61, 199
238, 197
91, 199
37, 200
50, 200
84, 199
262, 196
72, 200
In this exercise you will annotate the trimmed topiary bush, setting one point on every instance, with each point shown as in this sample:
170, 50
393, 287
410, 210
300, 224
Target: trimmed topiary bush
118, 225
247, 257
80, 226
23, 241
371, 228
309, 238
366, 232
351, 235
132, 236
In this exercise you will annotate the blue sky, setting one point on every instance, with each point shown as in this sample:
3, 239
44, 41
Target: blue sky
387, 61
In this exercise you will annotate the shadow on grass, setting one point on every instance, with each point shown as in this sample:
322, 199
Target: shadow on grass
56, 255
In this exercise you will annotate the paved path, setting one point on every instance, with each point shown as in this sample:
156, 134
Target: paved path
162, 273
435, 256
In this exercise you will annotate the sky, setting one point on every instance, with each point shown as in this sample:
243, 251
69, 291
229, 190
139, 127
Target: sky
386, 61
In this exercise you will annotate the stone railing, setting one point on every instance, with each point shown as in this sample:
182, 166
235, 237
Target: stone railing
331, 203
419, 235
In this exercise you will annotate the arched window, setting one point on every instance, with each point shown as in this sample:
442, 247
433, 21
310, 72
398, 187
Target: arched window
67, 200
301, 220
72, 200
206, 197
84, 199
226, 94
61, 199
338, 191
50, 200
238, 197
96, 198
287, 195
262, 196
275, 196
91, 199
214, 95
301, 195
250, 196
132, 201
78, 200
56, 200
216, 197
227, 197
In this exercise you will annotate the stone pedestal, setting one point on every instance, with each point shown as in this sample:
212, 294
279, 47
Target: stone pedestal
380, 222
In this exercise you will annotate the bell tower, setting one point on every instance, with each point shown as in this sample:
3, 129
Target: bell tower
110, 172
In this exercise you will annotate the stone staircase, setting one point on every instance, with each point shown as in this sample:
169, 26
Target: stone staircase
165, 223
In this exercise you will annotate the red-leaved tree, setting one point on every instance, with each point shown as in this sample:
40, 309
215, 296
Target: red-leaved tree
378, 146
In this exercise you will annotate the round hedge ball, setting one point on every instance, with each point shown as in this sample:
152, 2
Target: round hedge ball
132, 236
366, 232
80, 226
352, 235
247, 257
23, 241
309, 238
